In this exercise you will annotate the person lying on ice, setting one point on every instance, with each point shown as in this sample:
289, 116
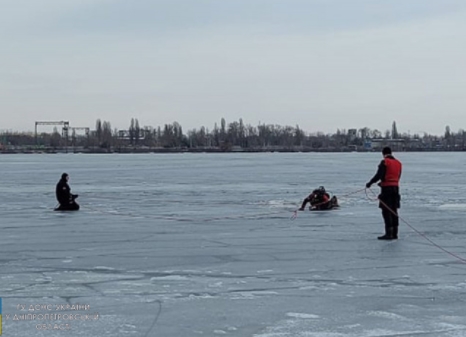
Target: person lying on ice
320, 200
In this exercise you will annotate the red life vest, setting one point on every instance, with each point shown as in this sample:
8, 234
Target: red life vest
392, 173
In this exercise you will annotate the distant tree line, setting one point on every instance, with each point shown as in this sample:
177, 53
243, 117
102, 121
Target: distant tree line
227, 137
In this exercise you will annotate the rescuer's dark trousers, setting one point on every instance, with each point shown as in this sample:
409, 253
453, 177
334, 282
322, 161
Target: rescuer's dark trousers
389, 202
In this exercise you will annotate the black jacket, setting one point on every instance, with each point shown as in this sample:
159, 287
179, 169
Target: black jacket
63, 192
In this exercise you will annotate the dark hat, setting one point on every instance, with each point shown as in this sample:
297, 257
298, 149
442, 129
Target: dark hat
386, 150
64, 175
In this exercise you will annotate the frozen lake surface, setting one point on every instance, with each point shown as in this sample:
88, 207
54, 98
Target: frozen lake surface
203, 245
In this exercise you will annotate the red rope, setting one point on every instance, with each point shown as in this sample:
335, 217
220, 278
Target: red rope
413, 228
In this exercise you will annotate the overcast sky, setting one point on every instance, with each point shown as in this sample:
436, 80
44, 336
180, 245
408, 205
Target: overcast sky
321, 64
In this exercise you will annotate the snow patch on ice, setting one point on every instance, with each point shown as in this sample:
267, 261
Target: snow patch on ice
215, 285
301, 315
103, 268
169, 278
453, 207
386, 314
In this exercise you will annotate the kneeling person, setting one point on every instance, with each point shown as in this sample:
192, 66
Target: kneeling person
320, 200
64, 197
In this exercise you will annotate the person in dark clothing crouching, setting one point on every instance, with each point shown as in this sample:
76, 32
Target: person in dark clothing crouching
389, 174
319, 200
64, 197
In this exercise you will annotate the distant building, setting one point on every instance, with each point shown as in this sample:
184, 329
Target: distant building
379, 143
125, 134
352, 134
396, 144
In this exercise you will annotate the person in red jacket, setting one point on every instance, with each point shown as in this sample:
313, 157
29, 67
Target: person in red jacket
389, 174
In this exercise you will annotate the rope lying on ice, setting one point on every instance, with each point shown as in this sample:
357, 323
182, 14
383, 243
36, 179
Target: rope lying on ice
294, 216
412, 227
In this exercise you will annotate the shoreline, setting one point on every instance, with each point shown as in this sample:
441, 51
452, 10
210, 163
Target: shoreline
209, 150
